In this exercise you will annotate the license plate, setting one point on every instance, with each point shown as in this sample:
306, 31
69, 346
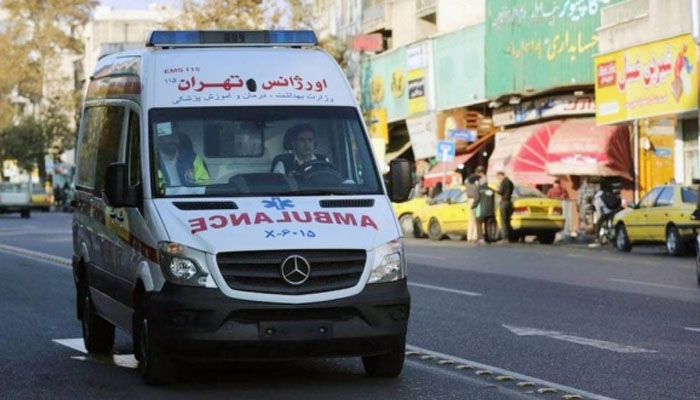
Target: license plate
538, 210
295, 330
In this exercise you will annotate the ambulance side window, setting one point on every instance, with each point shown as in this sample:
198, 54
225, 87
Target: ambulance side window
112, 121
133, 150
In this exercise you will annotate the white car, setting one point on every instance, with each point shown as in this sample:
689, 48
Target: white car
228, 205
15, 197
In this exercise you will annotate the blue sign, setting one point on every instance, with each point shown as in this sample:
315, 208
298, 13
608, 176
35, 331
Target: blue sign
464, 135
445, 150
278, 203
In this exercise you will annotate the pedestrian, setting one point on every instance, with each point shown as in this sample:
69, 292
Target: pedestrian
472, 189
505, 189
437, 189
485, 213
584, 201
57, 195
607, 204
557, 191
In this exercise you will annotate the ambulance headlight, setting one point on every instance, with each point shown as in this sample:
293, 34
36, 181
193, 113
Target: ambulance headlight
390, 263
182, 265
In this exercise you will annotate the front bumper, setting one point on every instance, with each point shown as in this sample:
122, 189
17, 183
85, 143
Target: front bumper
199, 323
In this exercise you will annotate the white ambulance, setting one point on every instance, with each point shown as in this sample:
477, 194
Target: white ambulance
228, 205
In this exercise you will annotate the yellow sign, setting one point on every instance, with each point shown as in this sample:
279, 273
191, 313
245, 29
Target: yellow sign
377, 123
417, 102
654, 79
376, 88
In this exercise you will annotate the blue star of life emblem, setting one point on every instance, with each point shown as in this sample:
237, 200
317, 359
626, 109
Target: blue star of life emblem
278, 203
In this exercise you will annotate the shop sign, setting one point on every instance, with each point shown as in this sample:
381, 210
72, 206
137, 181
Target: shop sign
421, 130
417, 56
650, 80
371, 42
546, 107
534, 45
384, 84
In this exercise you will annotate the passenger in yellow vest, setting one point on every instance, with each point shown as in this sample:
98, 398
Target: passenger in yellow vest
178, 166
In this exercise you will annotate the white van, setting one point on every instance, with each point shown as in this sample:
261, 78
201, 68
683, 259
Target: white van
228, 205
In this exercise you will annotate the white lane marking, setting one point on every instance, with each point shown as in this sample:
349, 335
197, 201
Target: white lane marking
516, 375
692, 329
444, 289
654, 285
601, 344
426, 256
120, 360
45, 257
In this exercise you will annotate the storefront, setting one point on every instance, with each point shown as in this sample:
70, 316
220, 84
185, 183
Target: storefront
653, 88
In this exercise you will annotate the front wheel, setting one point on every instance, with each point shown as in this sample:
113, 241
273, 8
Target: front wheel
406, 222
154, 364
622, 241
387, 365
674, 244
434, 230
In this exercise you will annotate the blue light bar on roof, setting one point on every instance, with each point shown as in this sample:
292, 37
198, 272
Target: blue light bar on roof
231, 38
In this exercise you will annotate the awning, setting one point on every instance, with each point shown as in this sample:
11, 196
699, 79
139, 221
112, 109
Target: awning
521, 154
580, 147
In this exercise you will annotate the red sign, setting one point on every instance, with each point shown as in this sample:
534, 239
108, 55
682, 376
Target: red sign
606, 74
371, 42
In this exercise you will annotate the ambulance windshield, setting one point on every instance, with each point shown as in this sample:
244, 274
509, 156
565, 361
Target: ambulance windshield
251, 151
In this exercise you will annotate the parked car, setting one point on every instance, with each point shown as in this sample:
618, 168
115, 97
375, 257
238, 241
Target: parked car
662, 216
15, 197
533, 214
433, 206
405, 211
40, 199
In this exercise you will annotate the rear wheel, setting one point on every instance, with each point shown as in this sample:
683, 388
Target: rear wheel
674, 244
622, 241
434, 230
387, 365
406, 222
546, 238
98, 333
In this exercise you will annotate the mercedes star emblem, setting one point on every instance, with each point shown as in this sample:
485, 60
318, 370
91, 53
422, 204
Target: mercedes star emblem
295, 270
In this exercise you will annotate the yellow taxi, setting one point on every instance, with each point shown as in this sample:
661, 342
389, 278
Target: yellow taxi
40, 200
533, 214
437, 206
406, 210
662, 216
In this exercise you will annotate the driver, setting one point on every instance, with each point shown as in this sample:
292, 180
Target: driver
301, 140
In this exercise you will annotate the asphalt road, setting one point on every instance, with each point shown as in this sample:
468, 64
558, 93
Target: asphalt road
582, 321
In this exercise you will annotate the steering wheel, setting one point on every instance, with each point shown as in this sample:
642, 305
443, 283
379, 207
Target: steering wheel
314, 169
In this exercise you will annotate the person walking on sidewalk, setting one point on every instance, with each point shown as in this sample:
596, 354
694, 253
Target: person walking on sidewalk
505, 189
472, 189
485, 213
557, 191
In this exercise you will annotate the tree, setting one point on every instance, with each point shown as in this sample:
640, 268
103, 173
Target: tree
36, 37
225, 14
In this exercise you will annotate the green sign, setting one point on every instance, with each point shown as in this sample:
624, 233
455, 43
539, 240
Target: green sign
459, 67
535, 45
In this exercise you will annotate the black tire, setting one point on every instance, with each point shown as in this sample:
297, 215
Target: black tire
434, 230
98, 333
387, 365
622, 240
546, 238
417, 231
155, 366
674, 242
406, 222
25, 213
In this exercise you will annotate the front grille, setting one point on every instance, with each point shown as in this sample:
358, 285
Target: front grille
259, 271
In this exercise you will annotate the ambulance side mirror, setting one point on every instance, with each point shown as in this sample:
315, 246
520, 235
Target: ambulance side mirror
116, 192
399, 180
